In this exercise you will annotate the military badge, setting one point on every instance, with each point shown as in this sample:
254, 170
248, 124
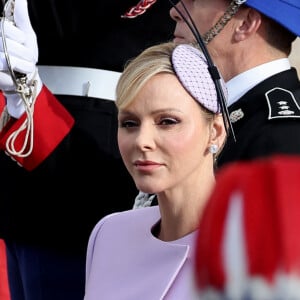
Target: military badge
236, 115
282, 104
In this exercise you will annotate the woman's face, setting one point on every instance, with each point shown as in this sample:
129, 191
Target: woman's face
163, 136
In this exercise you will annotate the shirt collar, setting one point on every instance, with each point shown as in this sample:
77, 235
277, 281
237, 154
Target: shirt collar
242, 83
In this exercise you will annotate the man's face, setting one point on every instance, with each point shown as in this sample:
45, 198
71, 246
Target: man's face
205, 14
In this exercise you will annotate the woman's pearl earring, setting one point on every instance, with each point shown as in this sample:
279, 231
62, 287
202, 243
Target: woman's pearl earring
213, 149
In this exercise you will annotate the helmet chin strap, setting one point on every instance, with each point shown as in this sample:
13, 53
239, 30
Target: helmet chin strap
228, 14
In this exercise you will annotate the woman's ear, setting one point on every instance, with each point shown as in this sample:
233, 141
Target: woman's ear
218, 131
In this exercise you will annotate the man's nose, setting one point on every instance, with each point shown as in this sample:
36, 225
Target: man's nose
174, 14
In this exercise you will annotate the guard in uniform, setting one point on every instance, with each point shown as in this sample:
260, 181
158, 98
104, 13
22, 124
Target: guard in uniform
264, 101
70, 173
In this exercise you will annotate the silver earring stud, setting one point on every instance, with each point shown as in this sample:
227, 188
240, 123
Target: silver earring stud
213, 149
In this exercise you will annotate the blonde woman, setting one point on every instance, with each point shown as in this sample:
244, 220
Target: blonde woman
170, 131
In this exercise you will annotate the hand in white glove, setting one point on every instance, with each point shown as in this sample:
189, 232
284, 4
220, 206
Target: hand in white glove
22, 49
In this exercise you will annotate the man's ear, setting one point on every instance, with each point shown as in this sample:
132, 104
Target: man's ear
247, 23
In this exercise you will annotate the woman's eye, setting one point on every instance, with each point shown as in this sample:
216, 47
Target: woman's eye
168, 121
128, 123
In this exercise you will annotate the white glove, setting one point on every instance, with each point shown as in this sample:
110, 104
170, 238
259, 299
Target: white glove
22, 49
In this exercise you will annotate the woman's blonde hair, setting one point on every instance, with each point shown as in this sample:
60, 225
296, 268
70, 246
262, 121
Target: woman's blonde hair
154, 60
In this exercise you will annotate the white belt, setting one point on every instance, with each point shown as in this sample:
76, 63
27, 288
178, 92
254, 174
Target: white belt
79, 81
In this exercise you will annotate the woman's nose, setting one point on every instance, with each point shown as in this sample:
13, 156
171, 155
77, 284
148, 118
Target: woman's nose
145, 138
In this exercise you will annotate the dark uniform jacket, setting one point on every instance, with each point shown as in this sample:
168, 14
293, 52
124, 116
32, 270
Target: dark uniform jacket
58, 202
266, 120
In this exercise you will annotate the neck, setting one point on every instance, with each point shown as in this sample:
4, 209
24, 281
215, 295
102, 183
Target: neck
239, 57
181, 211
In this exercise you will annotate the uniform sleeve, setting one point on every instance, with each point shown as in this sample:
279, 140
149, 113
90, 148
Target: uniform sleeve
51, 121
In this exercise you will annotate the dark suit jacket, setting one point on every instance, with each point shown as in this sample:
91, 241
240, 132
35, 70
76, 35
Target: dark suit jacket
266, 120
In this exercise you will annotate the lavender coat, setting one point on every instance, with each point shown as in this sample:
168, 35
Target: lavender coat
126, 262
